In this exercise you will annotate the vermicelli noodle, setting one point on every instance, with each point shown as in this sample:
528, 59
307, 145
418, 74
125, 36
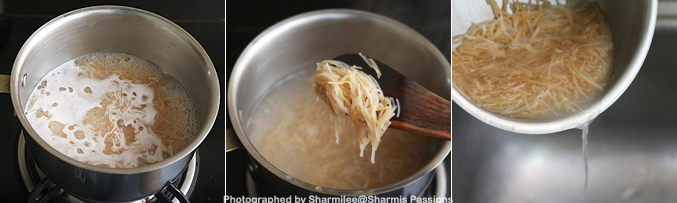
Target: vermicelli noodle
351, 93
540, 58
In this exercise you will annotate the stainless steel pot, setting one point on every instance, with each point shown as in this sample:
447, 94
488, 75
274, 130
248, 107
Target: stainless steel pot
299, 42
632, 24
114, 29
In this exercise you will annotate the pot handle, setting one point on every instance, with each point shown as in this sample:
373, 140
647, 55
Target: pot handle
232, 142
4, 83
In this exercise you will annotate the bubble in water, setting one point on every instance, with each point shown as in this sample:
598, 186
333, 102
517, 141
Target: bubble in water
123, 126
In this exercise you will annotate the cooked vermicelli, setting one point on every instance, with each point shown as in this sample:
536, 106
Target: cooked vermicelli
351, 93
540, 58
291, 130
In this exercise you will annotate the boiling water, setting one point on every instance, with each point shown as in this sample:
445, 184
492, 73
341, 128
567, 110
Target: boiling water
113, 110
293, 131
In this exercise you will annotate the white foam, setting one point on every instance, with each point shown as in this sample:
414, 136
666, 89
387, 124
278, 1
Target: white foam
67, 89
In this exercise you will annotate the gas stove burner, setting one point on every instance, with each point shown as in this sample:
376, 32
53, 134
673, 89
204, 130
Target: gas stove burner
34, 178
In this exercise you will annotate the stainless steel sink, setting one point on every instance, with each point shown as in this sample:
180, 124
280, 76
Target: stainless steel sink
632, 148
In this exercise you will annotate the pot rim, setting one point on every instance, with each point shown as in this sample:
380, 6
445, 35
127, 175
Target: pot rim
34, 41
271, 32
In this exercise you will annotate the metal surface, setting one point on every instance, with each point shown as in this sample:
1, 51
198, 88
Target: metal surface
632, 148
232, 143
4, 83
32, 175
632, 24
268, 184
426, 183
114, 29
301, 41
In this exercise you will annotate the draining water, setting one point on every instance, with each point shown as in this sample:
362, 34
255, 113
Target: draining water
585, 127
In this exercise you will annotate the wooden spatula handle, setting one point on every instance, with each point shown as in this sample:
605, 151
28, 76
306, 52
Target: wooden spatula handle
426, 114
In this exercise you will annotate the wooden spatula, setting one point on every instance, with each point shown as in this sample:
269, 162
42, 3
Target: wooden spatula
421, 111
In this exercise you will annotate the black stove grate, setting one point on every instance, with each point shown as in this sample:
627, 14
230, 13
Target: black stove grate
43, 189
